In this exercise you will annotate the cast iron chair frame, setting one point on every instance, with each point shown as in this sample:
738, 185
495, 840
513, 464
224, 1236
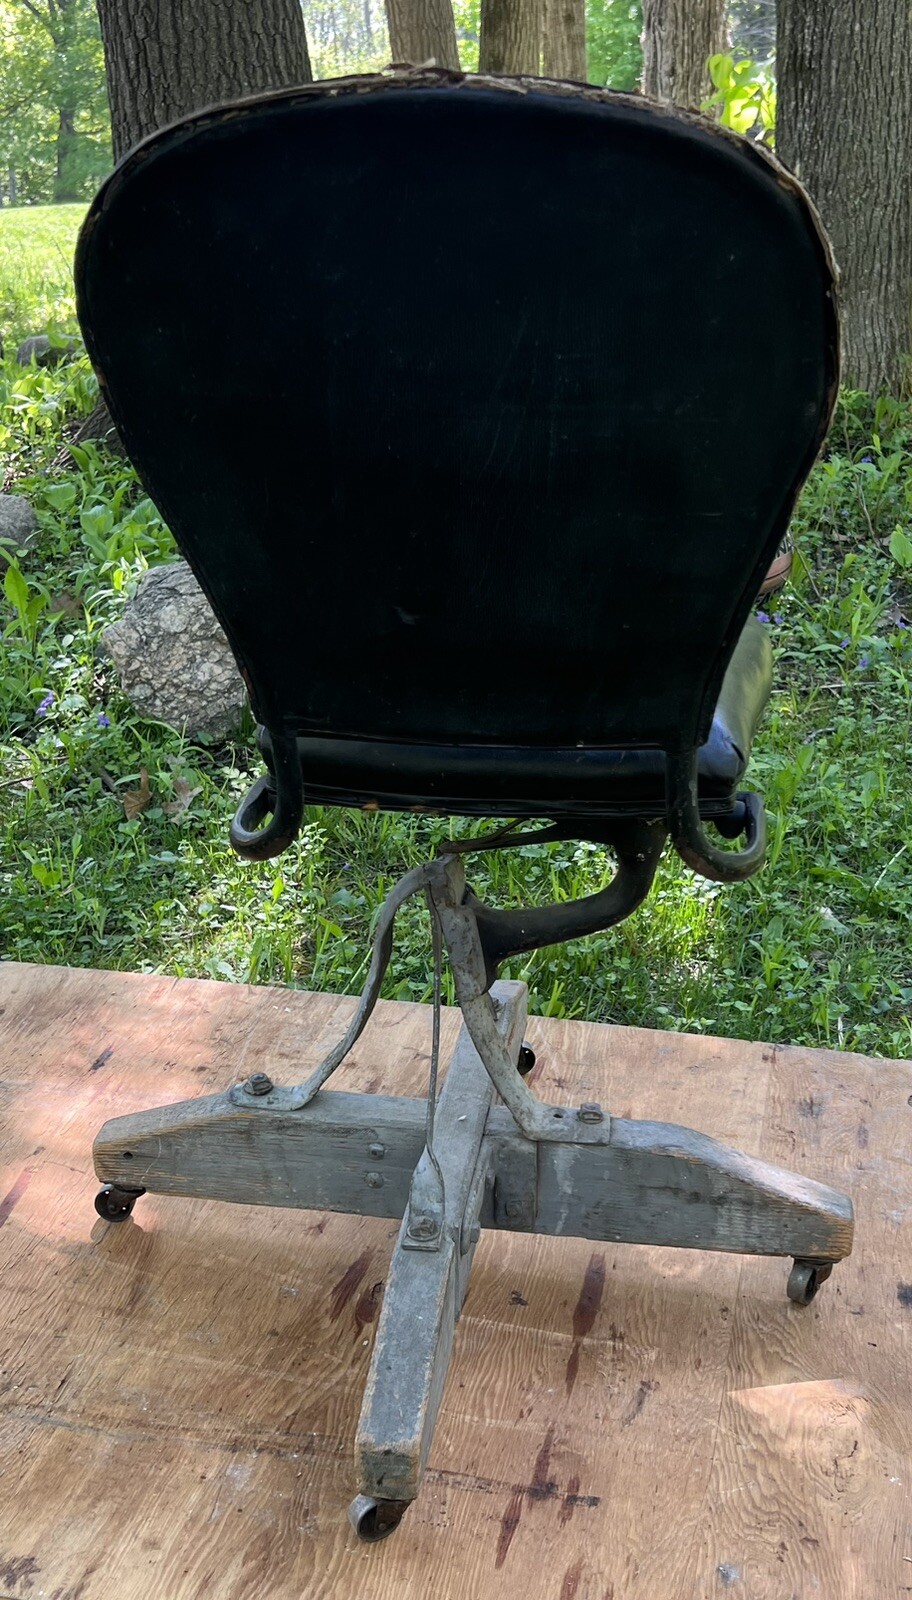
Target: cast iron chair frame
490, 1153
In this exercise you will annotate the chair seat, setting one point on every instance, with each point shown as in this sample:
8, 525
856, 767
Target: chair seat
489, 780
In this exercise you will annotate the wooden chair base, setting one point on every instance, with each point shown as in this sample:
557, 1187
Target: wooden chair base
604, 1178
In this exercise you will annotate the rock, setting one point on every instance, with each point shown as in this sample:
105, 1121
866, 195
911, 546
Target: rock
18, 524
38, 348
174, 661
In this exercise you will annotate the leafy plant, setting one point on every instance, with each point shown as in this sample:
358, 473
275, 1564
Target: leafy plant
744, 97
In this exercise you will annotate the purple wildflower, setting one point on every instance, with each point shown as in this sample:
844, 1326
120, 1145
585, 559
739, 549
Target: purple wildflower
844, 644
777, 616
45, 705
867, 460
902, 623
763, 616
103, 721
865, 661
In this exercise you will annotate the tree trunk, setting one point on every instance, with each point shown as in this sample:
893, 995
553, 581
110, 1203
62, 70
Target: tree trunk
165, 58
510, 39
679, 36
11, 186
564, 40
844, 126
64, 174
422, 30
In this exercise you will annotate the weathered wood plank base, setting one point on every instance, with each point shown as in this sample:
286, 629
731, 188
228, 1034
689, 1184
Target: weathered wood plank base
178, 1394
425, 1289
650, 1183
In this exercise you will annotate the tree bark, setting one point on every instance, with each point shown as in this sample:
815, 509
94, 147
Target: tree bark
165, 58
421, 31
564, 40
64, 186
844, 126
510, 39
679, 36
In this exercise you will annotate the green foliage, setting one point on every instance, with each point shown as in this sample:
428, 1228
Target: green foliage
346, 36
467, 16
54, 123
744, 97
614, 52
814, 950
36, 272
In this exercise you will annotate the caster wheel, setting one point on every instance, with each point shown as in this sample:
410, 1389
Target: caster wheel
373, 1520
115, 1204
805, 1279
526, 1060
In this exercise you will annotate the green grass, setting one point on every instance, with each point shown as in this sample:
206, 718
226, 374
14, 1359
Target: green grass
36, 269
816, 949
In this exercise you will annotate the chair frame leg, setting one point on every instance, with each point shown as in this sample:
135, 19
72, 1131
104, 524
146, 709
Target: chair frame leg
503, 1159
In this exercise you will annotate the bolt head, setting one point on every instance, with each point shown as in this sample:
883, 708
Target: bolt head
258, 1083
377, 1152
374, 1180
590, 1111
422, 1228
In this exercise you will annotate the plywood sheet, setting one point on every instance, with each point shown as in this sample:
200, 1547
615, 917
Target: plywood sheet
179, 1393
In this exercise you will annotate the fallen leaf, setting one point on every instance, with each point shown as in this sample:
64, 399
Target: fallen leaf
184, 795
136, 800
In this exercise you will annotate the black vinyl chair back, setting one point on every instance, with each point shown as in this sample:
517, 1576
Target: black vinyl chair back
478, 408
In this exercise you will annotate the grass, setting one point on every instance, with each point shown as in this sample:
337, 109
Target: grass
36, 269
814, 950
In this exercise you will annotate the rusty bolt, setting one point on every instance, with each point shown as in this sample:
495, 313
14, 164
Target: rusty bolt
589, 1111
258, 1083
423, 1228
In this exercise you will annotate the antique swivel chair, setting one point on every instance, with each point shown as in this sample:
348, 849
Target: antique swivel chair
479, 408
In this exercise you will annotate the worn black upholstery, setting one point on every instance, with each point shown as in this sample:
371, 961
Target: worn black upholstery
515, 781
479, 411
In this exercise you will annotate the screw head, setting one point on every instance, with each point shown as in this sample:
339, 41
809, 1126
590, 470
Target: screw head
377, 1152
590, 1111
422, 1228
258, 1083
374, 1180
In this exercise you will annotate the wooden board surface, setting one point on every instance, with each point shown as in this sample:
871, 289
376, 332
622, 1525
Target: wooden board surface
179, 1394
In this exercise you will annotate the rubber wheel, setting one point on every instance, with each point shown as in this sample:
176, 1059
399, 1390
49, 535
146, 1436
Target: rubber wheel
805, 1279
114, 1204
374, 1520
526, 1060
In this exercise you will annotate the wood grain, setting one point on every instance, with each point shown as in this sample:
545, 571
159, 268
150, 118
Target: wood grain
179, 1394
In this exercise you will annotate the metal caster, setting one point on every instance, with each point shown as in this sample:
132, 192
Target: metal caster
526, 1060
373, 1520
805, 1279
115, 1204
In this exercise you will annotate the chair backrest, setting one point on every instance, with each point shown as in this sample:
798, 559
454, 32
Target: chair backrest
479, 407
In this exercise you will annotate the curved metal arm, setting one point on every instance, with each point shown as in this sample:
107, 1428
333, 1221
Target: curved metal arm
283, 796
301, 1095
688, 835
637, 843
